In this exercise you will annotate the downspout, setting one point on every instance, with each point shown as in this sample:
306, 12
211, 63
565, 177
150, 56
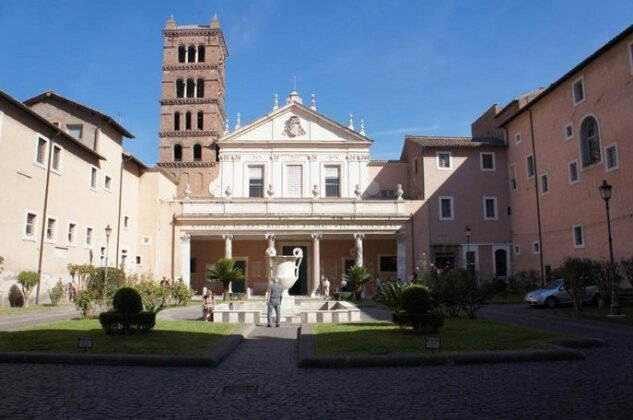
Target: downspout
46, 188
173, 244
412, 245
538, 203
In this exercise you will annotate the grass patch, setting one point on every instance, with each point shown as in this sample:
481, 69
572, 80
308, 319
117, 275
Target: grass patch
188, 338
33, 307
458, 334
599, 314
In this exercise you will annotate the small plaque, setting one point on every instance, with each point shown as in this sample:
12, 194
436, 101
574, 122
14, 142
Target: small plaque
433, 343
85, 343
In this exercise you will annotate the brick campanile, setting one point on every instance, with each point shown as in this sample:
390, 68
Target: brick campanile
192, 104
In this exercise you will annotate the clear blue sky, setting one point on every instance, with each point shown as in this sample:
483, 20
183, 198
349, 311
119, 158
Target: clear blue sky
406, 67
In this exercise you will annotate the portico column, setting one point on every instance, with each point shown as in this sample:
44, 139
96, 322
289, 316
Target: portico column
316, 263
271, 240
228, 246
359, 248
185, 258
402, 256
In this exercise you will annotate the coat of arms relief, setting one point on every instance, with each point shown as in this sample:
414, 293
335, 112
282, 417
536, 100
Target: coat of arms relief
293, 127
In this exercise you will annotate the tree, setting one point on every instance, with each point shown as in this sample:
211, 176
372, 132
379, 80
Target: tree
224, 271
577, 274
356, 277
28, 280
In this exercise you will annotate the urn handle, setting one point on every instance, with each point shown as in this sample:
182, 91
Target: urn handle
298, 254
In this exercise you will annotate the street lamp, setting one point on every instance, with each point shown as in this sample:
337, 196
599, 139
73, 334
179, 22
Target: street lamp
605, 193
468, 231
108, 232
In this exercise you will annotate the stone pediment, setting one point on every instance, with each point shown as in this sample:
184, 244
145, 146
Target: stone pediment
294, 123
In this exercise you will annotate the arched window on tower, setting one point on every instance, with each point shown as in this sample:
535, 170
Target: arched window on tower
200, 120
182, 54
180, 88
177, 153
589, 141
191, 54
197, 152
176, 121
200, 88
190, 88
188, 121
200, 53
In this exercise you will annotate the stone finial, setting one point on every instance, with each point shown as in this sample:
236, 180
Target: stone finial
226, 127
187, 192
238, 121
313, 103
228, 192
357, 191
350, 125
362, 127
294, 97
315, 191
171, 23
276, 102
271, 191
215, 22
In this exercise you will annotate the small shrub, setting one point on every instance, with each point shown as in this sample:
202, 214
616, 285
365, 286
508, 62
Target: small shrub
181, 293
57, 293
28, 280
85, 303
16, 299
127, 300
390, 295
415, 299
525, 281
577, 274
127, 323
153, 294
499, 286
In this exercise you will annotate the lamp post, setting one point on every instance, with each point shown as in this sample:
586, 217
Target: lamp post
108, 232
468, 231
605, 193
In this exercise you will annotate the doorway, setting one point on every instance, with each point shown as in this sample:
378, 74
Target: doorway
301, 285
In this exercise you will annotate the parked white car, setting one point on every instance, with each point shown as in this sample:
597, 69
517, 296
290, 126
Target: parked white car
555, 294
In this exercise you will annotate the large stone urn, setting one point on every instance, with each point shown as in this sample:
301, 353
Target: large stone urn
284, 268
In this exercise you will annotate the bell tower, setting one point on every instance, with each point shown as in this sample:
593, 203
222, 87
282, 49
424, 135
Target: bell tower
192, 104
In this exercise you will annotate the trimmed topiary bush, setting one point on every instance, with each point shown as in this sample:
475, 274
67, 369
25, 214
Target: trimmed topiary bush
127, 300
426, 323
16, 299
127, 323
416, 299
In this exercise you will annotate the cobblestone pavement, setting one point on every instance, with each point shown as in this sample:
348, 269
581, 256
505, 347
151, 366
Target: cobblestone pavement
260, 380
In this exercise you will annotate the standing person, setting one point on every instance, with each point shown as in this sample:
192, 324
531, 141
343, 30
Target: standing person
208, 303
273, 298
326, 288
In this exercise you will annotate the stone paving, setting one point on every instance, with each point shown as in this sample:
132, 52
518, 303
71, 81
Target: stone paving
260, 380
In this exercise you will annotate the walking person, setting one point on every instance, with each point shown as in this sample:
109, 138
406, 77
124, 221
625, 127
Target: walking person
273, 298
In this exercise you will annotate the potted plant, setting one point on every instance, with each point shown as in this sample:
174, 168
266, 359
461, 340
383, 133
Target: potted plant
356, 277
224, 271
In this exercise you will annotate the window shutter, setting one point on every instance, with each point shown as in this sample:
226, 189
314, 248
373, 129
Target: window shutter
294, 175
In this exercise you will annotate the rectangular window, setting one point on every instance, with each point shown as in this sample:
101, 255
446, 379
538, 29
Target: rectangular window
490, 208
123, 259
536, 247
388, 194
107, 182
126, 221
255, 181
93, 177
611, 152
294, 177
89, 237
446, 208
517, 249
30, 225
569, 131
578, 236
517, 137
388, 264
487, 161
51, 229
578, 88
443, 160
56, 162
72, 230
573, 172
529, 162
332, 181
40, 151
75, 130
102, 256
544, 184
512, 169
138, 260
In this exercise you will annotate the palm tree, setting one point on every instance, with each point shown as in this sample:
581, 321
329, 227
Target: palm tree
356, 277
224, 270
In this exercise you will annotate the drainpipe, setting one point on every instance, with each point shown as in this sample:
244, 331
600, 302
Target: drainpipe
46, 188
538, 203
412, 245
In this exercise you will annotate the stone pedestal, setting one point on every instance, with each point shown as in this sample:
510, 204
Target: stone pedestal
287, 306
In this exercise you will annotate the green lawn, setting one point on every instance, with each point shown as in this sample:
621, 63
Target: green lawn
599, 314
191, 338
457, 334
32, 307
